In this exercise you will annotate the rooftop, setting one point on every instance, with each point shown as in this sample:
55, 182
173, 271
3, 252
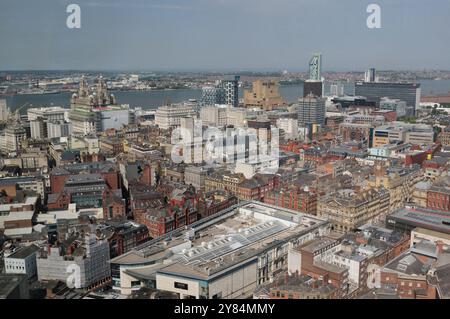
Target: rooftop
24, 252
8, 283
410, 264
424, 218
237, 235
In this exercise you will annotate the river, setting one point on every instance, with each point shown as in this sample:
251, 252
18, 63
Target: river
153, 99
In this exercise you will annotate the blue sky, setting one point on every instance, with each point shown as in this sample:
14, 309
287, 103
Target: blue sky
224, 35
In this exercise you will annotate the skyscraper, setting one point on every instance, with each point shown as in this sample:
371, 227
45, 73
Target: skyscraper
311, 110
231, 87
314, 85
370, 75
315, 67
337, 89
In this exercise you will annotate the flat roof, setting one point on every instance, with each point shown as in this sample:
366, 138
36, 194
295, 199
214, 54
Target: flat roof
318, 244
424, 218
432, 233
130, 258
24, 252
236, 237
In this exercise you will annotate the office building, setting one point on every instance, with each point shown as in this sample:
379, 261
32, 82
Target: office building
237, 117
438, 196
354, 102
315, 67
289, 126
169, 116
11, 185
12, 137
4, 111
394, 132
337, 89
370, 75
355, 132
115, 117
348, 209
264, 95
212, 96
396, 105
231, 88
22, 261
408, 218
45, 118
51, 113
17, 219
86, 258
38, 129
311, 110
57, 129
444, 136
375, 91
313, 87
196, 175
215, 115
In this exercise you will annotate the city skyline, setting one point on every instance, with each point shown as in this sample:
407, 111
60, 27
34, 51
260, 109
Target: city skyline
222, 35
214, 150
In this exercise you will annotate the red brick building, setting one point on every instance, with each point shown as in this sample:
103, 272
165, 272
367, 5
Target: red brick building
213, 202
164, 220
123, 236
295, 198
258, 187
107, 170
438, 198
389, 116
327, 272
407, 276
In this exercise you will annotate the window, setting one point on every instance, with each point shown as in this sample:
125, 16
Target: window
180, 285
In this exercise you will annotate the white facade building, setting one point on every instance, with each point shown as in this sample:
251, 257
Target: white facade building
53, 113
169, 116
4, 111
22, 261
214, 115
289, 126
237, 116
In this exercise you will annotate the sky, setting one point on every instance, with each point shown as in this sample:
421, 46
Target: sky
219, 35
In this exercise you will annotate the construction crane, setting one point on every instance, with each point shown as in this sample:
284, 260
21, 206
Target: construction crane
16, 116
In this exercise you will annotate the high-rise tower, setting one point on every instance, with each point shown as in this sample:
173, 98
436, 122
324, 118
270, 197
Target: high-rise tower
315, 67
